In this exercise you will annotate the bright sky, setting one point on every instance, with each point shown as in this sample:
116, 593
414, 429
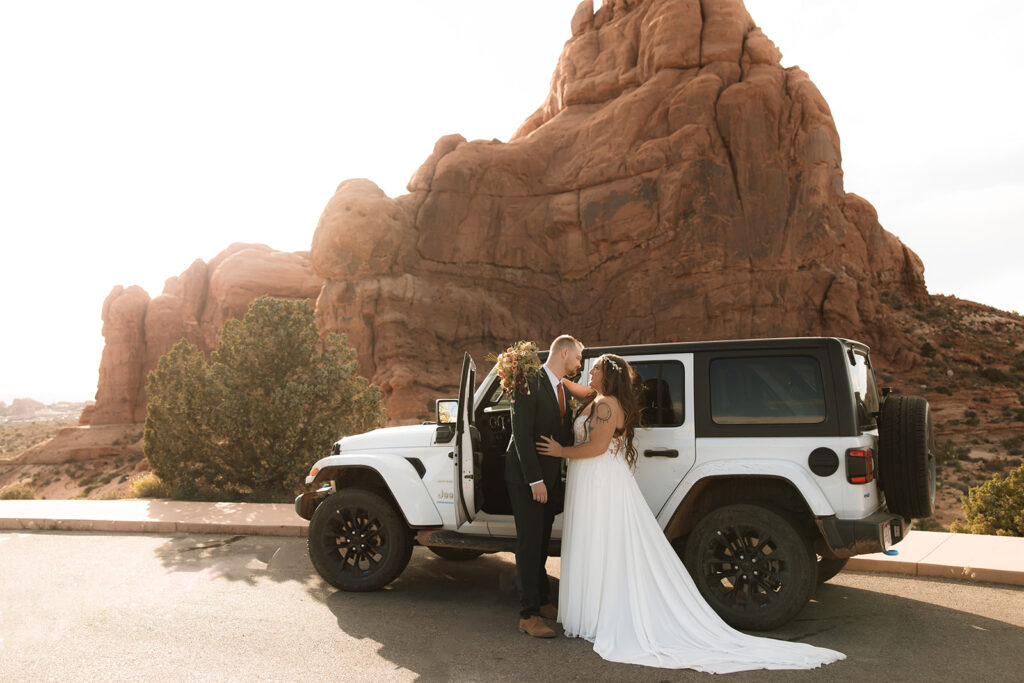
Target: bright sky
138, 136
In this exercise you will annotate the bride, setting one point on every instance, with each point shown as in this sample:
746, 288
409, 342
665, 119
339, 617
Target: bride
622, 585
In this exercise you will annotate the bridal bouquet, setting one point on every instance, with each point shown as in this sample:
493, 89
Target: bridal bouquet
518, 364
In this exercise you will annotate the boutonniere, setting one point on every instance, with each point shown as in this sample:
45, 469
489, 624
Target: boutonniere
517, 366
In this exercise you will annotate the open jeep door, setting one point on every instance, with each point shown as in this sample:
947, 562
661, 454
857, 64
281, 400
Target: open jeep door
467, 474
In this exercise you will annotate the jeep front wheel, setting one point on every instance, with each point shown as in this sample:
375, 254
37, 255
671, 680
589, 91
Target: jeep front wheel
358, 541
752, 565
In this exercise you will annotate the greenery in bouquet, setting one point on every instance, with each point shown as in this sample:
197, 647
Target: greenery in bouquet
516, 366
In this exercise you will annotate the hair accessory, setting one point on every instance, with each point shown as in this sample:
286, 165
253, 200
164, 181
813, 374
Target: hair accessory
611, 361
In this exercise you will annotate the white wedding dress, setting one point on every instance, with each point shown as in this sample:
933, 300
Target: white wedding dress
623, 588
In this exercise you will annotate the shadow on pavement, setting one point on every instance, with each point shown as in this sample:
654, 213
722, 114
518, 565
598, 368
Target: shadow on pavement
241, 558
446, 620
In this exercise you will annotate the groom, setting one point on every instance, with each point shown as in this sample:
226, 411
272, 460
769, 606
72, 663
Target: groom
534, 481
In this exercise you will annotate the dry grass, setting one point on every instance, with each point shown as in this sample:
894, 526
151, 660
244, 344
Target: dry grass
17, 492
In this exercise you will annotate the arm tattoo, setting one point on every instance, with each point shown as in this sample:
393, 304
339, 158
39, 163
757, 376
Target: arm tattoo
603, 412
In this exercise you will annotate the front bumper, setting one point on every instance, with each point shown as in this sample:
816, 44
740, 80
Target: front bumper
849, 537
306, 503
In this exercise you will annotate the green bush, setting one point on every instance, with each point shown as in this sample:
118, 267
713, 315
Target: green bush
269, 404
17, 492
945, 451
995, 507
928, 524
994, 375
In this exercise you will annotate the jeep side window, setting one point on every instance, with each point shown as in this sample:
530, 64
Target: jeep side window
661, 397
767, 390
865, 387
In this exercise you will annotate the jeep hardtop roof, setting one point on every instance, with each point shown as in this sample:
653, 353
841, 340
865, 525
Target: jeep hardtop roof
780, 343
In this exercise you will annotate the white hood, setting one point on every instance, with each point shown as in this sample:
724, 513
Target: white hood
390, 438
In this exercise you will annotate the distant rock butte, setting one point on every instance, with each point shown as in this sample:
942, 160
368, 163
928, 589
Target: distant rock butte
193, 306
22, 407
676, 184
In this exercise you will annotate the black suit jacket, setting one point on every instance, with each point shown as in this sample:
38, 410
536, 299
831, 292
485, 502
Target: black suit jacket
535, 414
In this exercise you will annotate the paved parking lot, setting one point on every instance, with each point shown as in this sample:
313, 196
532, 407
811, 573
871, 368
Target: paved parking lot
217, 607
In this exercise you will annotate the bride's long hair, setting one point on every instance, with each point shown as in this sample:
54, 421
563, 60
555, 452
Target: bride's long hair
619, 380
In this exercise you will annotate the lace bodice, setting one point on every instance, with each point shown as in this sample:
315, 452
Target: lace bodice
581, 434
580, 431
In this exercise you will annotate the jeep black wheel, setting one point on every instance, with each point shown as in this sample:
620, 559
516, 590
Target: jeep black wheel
830, 566
752, 565
459, 554
358, 541
906, 456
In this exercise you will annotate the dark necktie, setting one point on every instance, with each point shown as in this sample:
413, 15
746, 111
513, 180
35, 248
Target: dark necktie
561, 399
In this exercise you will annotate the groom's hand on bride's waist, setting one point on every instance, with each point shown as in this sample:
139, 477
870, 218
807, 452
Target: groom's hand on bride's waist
540, 492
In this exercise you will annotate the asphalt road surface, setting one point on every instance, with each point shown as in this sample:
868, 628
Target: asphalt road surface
118, 607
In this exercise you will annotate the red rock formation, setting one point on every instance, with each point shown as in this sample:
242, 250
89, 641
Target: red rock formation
676, 184
193, 306
122, 382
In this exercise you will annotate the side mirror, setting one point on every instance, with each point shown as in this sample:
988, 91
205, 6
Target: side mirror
447, 410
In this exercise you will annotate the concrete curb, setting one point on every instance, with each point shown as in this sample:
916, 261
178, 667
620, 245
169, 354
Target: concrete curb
152, 516
993, 559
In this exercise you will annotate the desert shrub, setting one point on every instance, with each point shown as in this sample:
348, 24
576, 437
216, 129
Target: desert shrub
149, 486
893, 299
994, 375
928, 524
943, 390
927, 350
271, 402
17, 492
948, 450
996, 507
1013, 442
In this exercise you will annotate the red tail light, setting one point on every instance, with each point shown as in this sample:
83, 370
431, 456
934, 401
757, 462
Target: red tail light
860, 466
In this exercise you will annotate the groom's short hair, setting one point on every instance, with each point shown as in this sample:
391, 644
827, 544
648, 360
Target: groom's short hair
563, 342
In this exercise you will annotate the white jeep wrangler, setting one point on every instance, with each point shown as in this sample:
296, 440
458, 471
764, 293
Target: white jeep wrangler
768, 463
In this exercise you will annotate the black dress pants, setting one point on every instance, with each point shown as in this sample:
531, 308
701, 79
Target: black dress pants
533, 534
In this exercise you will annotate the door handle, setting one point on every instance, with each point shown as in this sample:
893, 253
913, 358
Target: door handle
663, 453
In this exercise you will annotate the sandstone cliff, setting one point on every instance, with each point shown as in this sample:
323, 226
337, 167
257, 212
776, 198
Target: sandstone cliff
676, 184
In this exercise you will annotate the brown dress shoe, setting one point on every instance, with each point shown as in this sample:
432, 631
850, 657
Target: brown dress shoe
535, 627
549, 611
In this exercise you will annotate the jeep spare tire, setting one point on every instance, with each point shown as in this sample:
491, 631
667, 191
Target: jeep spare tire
906, 456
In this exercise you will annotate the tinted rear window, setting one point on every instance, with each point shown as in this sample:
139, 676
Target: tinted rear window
767, 390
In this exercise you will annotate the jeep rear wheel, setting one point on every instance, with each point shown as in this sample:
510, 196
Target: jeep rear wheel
752, 565
830, 566
906, 456
358, 541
